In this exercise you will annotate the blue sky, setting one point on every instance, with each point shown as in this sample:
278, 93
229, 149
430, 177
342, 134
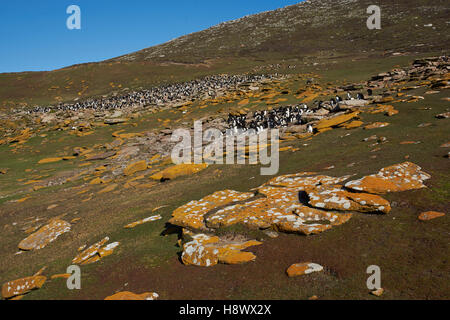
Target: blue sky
34, 35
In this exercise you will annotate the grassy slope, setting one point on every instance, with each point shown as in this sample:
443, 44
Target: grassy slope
411, 254
320, 31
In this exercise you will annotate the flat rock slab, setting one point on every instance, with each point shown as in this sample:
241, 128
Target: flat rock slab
22, 286
208, 251
45, 235
396, 178
336, 198
179, 171
192, 214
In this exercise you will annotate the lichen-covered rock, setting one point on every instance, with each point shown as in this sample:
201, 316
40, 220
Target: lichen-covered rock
336, 198
135, 167
280, 210
304, 180
192, 214
376, 125
22, 286
333, 122
179, 171
126, 295
208, 251
95, 252
430, 215
45, 235
300, 269
142, 221
400, 177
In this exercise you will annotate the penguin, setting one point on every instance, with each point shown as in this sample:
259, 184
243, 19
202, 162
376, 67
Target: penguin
370, 92
310, 129
360, 96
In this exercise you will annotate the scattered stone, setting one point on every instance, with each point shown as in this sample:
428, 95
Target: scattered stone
140, 222
400, 177
45, 235
446, 145
101, 156
114, 121
135, 167
378, 292
50, 160
207, 251
445, 115
95, 252
22, 286
109, 188
60, 276
430, 215
333, 197
376, 125
126, 295
300, 269
179, 171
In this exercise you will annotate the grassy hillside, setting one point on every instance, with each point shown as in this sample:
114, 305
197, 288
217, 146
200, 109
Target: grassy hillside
305, 36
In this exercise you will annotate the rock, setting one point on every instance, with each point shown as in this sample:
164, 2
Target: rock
353, 103
351, 125
114, 121
430, 215
109, 188
207, 251
400, 177
45, 235
336, 198
179, 171
191, 215
445, 115
135, 167
140, 222
280, 210
50, 160
300, 269
60, 276
446, 145
386, 109
335, 121
101, 156
95, 252
376, 125
22, 286
126, 295
378, 292
3, 171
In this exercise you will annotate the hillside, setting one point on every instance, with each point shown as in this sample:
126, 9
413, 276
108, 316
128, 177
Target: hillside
306, 36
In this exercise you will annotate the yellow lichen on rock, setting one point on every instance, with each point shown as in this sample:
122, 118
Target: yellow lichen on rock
135, 167
45, 235
179, 171
400, 177
333, 122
